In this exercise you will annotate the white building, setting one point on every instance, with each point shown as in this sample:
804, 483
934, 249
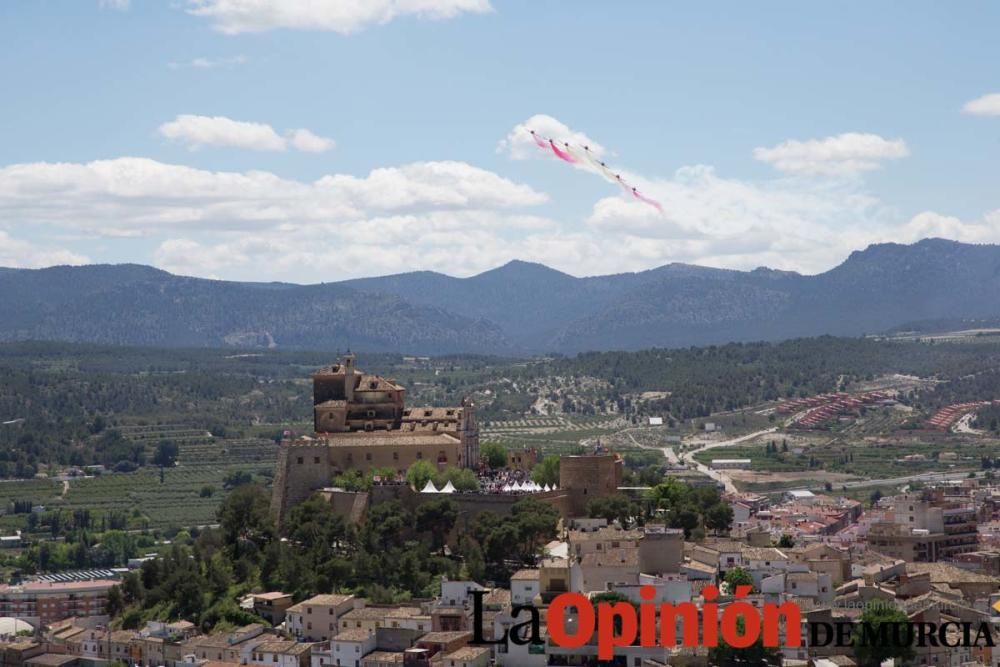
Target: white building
524, 586
456, 593
731, 464
316, 619
516, 655
350, 646
281, 654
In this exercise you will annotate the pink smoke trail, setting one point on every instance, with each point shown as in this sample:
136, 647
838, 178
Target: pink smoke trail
651, 202
538, 140
560, 154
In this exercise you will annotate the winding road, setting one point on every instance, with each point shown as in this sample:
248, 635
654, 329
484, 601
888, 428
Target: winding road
720, 475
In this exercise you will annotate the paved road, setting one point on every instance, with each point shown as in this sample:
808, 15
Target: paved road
922, 477
667, 451
964, 425
720, 475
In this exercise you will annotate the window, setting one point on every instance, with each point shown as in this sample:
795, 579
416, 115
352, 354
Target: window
395, 456
301, 460
368, 456
420, 455
316, 460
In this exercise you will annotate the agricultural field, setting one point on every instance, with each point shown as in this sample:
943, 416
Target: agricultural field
188, 494
551, 435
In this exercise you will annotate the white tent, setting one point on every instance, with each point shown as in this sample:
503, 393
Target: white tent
429, 487
448, 488
507, 488
517, 487
546, 488
532, 487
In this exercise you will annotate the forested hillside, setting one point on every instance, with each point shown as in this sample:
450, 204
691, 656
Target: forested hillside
87, 404
517, 309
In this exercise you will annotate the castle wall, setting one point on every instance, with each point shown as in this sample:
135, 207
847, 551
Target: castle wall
444, 452
584, 478
302, 468
661, 550
469, 505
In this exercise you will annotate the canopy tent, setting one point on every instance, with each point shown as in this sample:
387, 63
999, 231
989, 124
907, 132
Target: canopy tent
448, 488
429, 487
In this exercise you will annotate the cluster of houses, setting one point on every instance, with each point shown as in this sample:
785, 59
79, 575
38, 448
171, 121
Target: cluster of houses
932, 554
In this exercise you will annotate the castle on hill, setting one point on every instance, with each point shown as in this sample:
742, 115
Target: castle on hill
361, 422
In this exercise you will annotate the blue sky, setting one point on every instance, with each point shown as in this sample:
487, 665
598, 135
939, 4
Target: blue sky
165, 133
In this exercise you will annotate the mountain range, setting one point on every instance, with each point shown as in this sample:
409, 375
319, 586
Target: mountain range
518, 308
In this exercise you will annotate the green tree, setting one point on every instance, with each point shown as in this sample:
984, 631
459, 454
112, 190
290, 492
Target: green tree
546, 471
786, 541
237, 478
245, 518
872, 649
686, 519
755, 655
166, 453
418, 474
719, 518
495, 455
116, 601
613, 508
437, 518
462, 479
737, 576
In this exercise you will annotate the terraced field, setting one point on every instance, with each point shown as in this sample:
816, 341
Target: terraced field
552, 435
203, 461
176, 501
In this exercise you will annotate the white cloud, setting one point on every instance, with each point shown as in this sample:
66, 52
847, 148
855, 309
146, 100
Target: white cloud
519, 144
459, 242
306, 141
125, 195
847, 153
343, 16
710, 220
209, 63
18, 254
120, 5
934, 225
200, 131
456, 218
987, 105
731, 223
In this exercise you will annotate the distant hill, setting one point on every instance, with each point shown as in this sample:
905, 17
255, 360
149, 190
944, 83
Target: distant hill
517, 308
139, 305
